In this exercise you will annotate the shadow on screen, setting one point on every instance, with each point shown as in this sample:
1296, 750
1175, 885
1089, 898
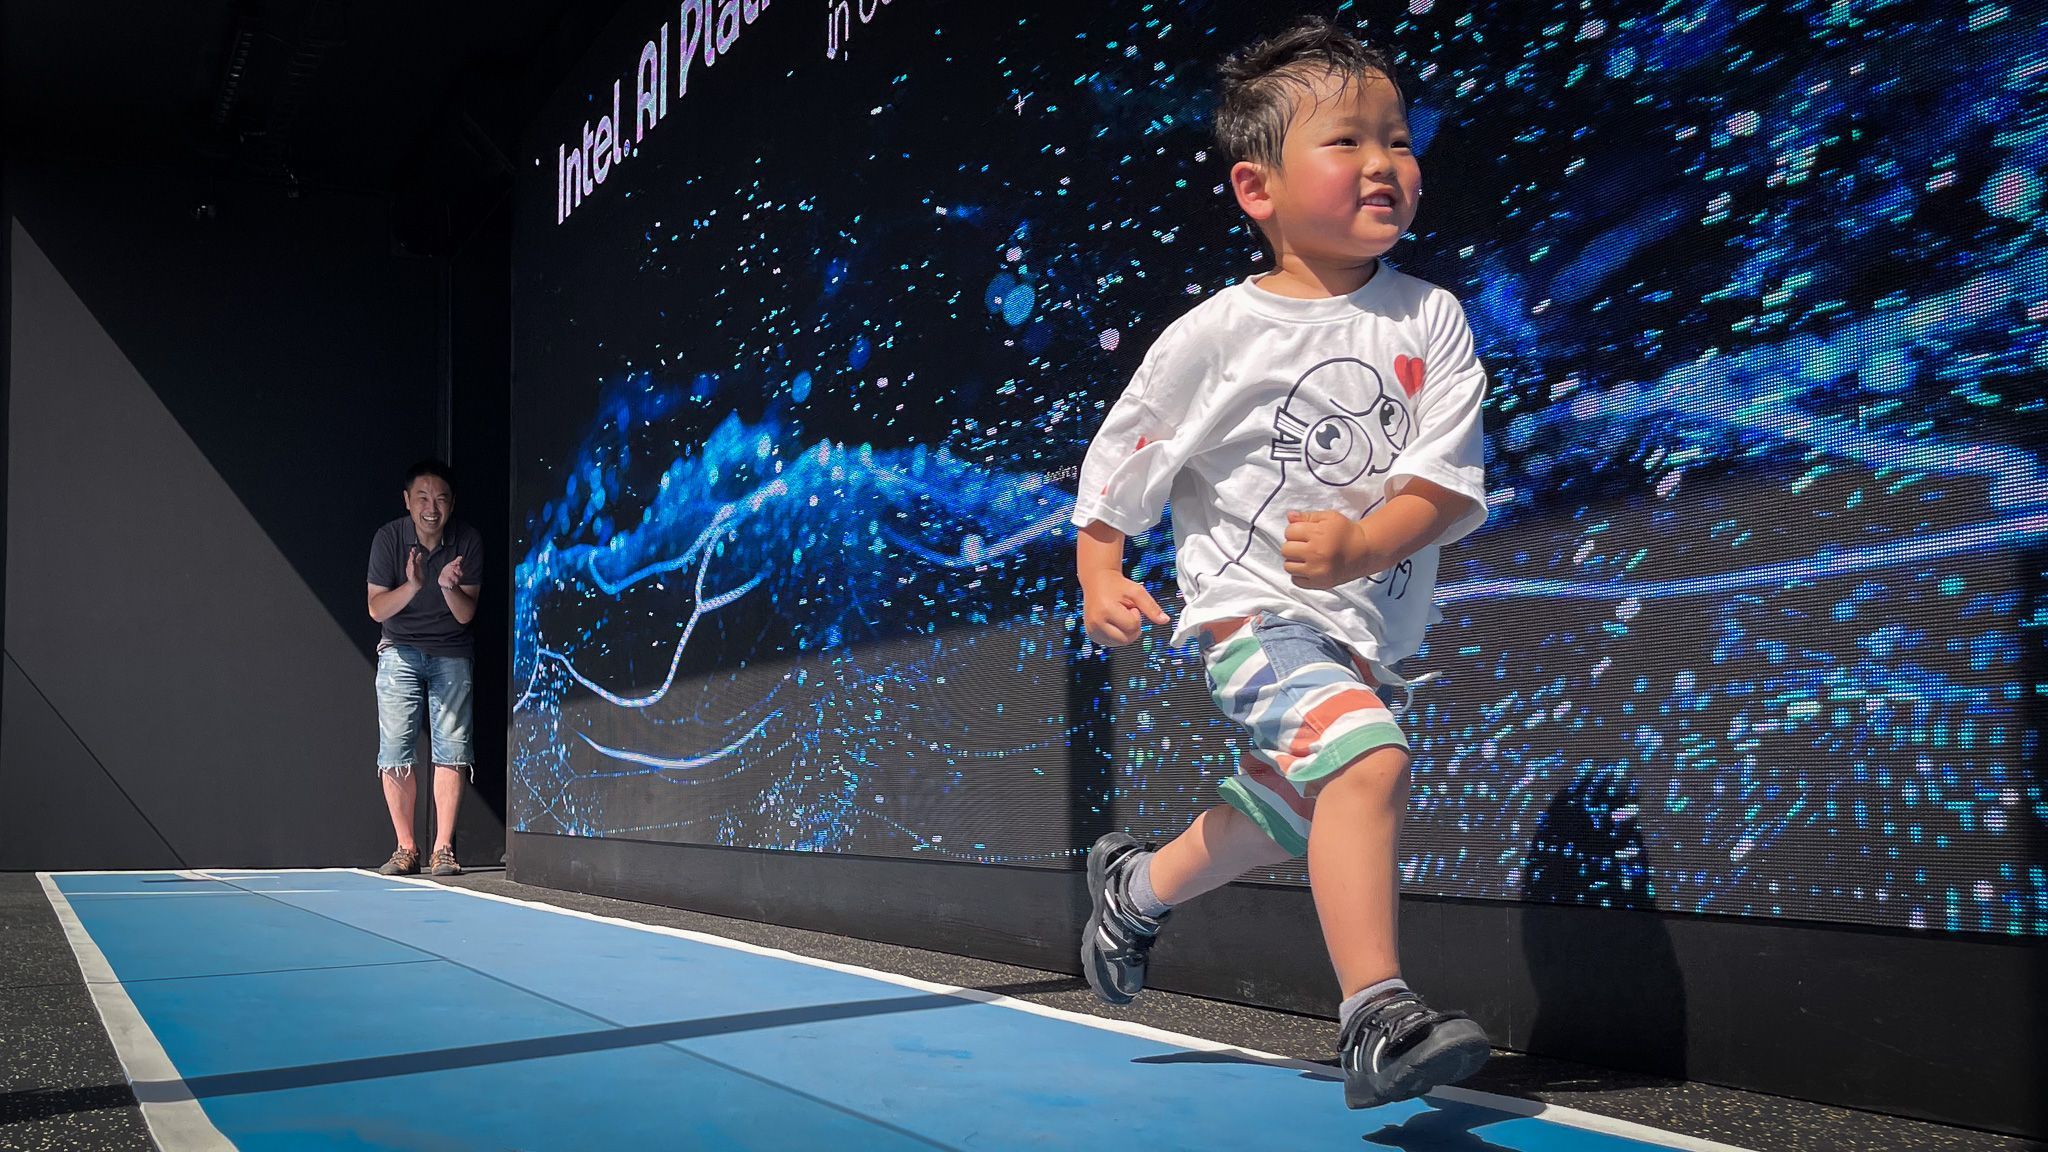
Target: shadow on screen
1608, 988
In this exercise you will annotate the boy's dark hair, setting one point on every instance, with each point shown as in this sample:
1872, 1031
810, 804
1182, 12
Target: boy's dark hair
1259, 82
429, 467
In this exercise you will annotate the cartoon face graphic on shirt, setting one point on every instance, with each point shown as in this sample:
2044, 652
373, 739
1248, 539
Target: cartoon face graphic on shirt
1342, 423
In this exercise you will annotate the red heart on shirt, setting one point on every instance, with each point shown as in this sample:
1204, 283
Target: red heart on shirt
1408, 370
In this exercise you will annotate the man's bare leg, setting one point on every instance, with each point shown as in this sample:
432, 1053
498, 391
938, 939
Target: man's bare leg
447, 797
401, 793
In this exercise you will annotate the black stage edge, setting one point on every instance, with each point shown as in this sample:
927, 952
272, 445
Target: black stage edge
1944, 1029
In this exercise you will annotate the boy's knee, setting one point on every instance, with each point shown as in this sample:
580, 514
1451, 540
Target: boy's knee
1379, 771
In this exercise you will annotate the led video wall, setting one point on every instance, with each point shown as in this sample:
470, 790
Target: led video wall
817, 306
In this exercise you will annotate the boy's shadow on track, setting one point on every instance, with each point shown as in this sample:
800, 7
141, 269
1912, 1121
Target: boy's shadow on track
1228, 1058
1445, 1127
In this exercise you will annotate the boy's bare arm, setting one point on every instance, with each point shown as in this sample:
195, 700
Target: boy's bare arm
1114, 606
1325, 549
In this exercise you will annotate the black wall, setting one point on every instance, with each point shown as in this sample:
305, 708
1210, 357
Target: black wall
479, 449
214, 390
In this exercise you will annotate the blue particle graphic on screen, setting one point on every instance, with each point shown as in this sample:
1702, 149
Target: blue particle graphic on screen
1756, 624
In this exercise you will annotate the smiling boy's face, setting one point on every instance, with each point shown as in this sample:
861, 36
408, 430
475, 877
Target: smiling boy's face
1348, 183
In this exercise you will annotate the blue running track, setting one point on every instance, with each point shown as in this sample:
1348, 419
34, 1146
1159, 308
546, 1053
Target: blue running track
343, 1010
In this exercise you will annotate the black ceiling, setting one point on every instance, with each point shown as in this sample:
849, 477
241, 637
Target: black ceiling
421, 101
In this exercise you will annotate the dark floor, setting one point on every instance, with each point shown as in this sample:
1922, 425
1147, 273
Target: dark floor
62, 1088
60, 1085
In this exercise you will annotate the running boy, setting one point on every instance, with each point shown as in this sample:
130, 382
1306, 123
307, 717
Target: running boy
1317, 431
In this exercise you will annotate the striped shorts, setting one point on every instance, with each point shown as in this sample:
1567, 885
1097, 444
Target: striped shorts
1309, 707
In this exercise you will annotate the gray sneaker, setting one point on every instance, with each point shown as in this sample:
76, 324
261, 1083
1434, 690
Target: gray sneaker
403, 862
1397, 1048
1117, 943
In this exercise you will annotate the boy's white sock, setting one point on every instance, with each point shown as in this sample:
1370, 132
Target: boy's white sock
1364, 996
1138, 889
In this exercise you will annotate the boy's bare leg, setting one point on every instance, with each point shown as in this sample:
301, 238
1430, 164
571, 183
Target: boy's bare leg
1398, 1048
399, 796
1221, 845
1352, 847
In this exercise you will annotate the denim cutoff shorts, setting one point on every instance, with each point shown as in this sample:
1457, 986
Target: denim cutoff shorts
413, 685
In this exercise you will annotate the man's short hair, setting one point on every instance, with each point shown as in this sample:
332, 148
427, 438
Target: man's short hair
429, 467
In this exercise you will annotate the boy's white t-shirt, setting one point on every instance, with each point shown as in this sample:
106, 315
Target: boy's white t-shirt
1254, 404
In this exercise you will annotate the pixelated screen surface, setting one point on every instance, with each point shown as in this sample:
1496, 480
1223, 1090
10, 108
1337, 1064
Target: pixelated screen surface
809, 346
